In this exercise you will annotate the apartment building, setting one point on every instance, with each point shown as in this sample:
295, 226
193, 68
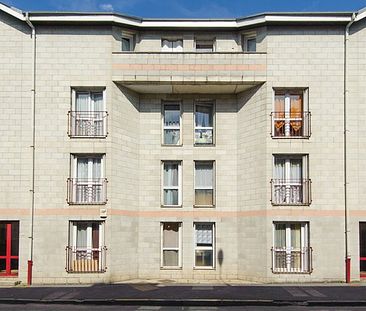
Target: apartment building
182, 150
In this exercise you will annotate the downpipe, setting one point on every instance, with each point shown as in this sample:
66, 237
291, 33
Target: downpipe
33, 148
345, 90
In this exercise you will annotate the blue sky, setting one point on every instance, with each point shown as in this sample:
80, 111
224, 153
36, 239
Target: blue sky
188, 8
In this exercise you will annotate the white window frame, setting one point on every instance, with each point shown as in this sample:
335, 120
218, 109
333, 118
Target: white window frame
89, 182
91, 107
164, 127
179, 248
89, 248
304, 243
131, 37
203, 40
213, 188
179, 187
203, 103
304, 171
247, 37
304, 92
213, 247
171, 48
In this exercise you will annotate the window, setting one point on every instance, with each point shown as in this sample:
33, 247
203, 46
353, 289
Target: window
88, 117
172, 45
86, 250
204, 183
204, 245
290, 117
128, 42
205, 46
171, 123
9, 248
290, 184
249, 42
291, 251
171, 254
172, 194
204, 123
87, 184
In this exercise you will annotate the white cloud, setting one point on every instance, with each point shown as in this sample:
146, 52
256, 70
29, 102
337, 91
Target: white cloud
106, 7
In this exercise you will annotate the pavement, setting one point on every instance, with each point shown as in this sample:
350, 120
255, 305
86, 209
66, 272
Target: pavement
160, 294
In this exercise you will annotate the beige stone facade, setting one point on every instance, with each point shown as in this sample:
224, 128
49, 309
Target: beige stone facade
295, 55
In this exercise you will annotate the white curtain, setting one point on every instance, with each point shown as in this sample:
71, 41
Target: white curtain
204, 176
166, 46
203, 234
97, 168
296, 169
171, 235
279, 170
280, 235
82, 102
97, 99
82, 235
178, 46
296, 236
82, 168
171, 174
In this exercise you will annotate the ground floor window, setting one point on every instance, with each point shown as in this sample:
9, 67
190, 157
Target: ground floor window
171, 240
9, 248
291, 252
86, 249
204, 245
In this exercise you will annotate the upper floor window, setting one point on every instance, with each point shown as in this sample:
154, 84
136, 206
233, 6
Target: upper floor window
291, 251
205, 45
171, 123
86, 250
128, 42
172, 45
88, 117
290, 117
172, 183
249, 42
204, 183
290, 183
204, 123
87, 184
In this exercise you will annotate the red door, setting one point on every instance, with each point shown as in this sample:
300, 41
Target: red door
9, 248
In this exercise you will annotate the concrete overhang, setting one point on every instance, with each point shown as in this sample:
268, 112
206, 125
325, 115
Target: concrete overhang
186, 88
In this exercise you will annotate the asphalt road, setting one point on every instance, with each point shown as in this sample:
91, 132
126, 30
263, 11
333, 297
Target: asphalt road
42, 307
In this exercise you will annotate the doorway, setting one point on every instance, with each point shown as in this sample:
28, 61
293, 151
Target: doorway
9, 248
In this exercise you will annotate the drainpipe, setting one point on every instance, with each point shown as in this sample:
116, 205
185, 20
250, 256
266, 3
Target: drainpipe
345, 90
33, 147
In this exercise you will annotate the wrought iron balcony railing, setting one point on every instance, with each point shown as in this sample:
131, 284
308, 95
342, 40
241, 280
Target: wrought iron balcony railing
86, 260
291, 124
87, 191
292, 260
87, 123
291, 192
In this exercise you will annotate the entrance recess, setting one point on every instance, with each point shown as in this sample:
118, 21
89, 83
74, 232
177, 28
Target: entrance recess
362, 249
9, 248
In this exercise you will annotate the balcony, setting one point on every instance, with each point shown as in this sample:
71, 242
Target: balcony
291, 125
292, 260
291, 192
189, 72
87, 191
86, 260
87, 124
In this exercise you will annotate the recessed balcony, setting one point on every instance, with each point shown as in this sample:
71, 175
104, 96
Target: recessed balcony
214, 72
